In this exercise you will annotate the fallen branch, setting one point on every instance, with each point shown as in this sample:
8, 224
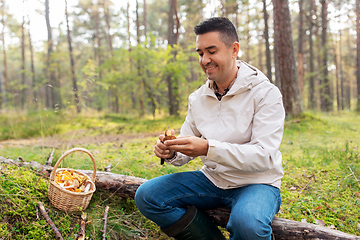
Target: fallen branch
50, 158
108, 168
49, 221
126, 186
105, 221
82, 227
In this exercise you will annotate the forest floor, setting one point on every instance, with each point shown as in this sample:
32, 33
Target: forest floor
321, 161
74, 138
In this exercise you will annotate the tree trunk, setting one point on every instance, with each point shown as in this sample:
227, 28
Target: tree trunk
358, 52
248, 36
50, 92
318, 56
349, 75
32, 67
284, 54
337, 78
267, 44
144, 20
326, 104
72, 62
140, 91
260, 50
300, 47
98, 50
23, 79
172, 83
312, 99
126, 186
113, 91
107, 20
5, 88
133, 96
342, 89
2, 91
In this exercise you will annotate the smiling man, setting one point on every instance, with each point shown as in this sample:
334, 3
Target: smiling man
235, 125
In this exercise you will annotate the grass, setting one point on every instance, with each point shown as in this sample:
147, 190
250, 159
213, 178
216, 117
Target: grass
320, 160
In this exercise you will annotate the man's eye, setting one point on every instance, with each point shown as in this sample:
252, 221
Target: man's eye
211, 52
201, 54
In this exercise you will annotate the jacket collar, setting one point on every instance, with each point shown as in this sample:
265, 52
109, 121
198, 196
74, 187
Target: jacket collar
247, 77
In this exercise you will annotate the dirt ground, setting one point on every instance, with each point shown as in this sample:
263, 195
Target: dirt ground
73, 139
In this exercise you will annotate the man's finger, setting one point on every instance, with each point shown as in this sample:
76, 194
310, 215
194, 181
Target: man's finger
177, 141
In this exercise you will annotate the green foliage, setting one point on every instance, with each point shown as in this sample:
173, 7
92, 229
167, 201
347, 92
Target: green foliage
31, 124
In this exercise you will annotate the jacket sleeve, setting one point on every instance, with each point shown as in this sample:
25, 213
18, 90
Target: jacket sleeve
261, 153
188, 129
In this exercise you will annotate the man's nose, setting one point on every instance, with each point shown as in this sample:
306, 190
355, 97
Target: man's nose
205, 59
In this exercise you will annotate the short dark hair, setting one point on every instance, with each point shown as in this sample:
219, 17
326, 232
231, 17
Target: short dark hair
224, 26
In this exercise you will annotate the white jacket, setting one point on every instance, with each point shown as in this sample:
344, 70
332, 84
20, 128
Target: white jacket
244, 130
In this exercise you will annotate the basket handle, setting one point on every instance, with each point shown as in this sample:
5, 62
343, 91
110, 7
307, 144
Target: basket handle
52, 176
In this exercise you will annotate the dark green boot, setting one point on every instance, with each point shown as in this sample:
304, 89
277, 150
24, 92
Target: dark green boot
194, 225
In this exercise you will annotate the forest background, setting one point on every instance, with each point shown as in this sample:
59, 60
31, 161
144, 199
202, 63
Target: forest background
111, 78
140, 60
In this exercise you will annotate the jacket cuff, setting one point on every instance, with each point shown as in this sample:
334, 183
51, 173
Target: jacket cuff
211, 149
170, 160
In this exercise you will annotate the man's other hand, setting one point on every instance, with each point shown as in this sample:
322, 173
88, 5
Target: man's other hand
190, 146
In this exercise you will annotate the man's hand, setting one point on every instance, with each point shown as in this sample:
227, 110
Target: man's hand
190, 146
161, 150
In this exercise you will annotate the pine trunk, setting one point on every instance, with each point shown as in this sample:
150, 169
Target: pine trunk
145, 18
300, 47
23, 80
342, 81
5, 72
358, 52
337, 78
72, 62
50, 102
326, 103
140, 85
312, 100
107, 20
172, 85
349, 76
32, 67
267, 43
284, 54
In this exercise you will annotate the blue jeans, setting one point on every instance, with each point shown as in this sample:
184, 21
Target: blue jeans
164, 199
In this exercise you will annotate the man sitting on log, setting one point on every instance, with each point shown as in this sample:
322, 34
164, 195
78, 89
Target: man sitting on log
235, 124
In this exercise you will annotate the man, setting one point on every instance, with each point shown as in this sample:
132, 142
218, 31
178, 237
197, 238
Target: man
235, 124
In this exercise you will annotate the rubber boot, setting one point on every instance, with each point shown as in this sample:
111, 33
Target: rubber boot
194, 225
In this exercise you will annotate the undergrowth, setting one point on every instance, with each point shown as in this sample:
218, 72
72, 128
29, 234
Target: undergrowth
321, 183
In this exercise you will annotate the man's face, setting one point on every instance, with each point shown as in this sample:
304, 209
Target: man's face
215, 58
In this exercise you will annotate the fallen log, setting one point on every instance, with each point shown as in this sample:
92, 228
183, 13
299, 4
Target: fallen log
126, 186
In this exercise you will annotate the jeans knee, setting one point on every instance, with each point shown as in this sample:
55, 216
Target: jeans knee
248, 228
140, 196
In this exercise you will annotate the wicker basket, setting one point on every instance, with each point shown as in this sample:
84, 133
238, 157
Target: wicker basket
66, 200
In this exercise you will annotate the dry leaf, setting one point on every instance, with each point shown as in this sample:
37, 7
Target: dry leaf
320, 222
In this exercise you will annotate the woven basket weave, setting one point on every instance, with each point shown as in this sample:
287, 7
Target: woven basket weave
66, 200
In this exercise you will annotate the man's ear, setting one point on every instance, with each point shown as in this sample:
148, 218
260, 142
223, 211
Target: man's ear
235, 48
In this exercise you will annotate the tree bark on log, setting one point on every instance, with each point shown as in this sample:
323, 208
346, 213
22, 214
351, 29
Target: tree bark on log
126, 186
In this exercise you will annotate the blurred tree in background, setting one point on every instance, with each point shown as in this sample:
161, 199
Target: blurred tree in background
140, 59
